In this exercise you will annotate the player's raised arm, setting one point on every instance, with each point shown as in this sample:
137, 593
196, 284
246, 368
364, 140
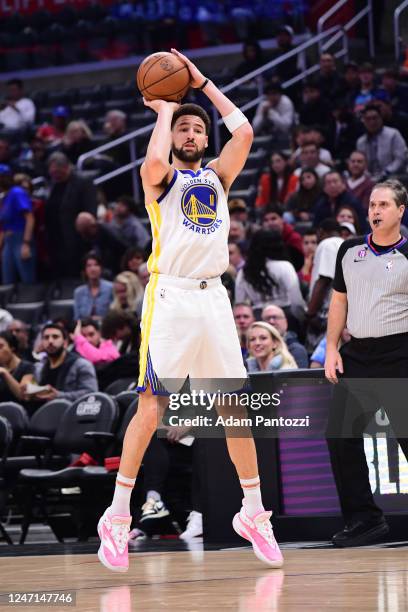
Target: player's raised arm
235, 153
156, 165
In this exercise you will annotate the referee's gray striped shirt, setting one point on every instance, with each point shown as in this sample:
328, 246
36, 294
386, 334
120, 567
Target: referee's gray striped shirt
376, 283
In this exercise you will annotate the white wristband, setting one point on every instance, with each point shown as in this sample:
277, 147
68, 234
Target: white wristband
234, 120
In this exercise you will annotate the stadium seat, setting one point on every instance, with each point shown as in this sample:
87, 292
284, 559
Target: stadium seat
6, 437
29, 312
246, 179
123, 384
60, 309
18, 418
85, 427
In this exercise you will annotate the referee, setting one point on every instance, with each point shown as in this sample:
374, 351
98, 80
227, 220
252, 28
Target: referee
370, 296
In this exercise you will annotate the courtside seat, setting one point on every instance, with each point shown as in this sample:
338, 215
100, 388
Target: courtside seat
18, 418
85, 426
6, 438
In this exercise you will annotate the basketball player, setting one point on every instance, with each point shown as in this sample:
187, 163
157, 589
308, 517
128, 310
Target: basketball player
370, 295
187, 324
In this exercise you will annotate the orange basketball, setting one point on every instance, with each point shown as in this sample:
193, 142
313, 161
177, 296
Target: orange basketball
163, 76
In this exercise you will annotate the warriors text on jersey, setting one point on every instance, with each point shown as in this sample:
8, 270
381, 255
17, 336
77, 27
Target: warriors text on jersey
190, 225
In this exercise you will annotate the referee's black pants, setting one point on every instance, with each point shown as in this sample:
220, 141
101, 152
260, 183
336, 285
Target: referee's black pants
377, 359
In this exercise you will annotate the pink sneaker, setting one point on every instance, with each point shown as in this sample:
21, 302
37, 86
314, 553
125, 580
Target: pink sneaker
113, 530
258, 530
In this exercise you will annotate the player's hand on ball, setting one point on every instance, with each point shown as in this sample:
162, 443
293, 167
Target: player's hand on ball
197, 77
155, 105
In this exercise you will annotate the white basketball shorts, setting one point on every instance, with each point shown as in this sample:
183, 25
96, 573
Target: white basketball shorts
188, 329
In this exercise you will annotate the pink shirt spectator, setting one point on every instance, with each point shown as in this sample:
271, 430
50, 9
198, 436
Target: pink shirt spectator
104, 353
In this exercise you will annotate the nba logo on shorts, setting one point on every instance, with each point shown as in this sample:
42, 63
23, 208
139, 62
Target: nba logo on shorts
199, 205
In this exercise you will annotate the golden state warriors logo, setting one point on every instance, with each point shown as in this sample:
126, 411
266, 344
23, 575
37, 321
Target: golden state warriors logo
199, 205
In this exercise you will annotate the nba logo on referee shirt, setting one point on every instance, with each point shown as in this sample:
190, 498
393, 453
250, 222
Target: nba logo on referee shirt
362, 253
389, 265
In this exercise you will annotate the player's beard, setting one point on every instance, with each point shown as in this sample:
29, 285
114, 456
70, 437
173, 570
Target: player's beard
188, 156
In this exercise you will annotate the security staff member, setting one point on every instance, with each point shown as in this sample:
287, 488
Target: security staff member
370, 296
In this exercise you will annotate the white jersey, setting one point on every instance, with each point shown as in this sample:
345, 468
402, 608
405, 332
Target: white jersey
190, 226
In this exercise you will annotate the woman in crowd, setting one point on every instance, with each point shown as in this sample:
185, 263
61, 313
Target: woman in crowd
17, 229
127, 293
89, 343
278, 184
92, 299
267, 276
301, 203
12, 368
132, 259
309, 243
268, 349
77, 140
347, 214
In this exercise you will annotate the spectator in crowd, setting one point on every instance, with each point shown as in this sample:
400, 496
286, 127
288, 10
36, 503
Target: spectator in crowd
132, 259
115, 126
383, 146
236, 258
268, 350
244, 317
397, 91
143, 274
38, 203
272, 219
76, 140
6, 155
35, 158
334, 196
318, 356
275, 115
127, 293
267, 276
70, 194
238, 210
5, 319
368, 90
310, 158
301, 204
307, 135
237, 233
126, 226
94, 298
314, 109
66, 375
17, 112
342, 131
324, 265
276, 317
278, 184
391, 117
330, 82
284, 44
252, 58
12, 368
352, 83
22, 333
309, 241
53, 134
359, 182
348, 216
90, 345
17, 229
98, 237
122, 328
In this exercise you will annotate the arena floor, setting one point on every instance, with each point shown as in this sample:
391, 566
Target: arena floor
315, 577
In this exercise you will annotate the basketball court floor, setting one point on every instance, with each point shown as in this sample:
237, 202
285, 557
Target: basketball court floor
173, 576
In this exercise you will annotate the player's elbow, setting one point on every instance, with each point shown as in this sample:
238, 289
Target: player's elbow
155, 169
246, 133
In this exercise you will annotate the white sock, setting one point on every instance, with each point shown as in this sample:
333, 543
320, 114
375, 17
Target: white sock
121, 497
252, 495
153, 495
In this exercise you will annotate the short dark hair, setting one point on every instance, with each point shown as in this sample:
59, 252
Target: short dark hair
11, 340
91, 255
192, 109
332, 172
273, 87
115, 320
329, 225
129, 202
398, 189
272, 208
89, 322
17, 82
58, 326
371, 107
